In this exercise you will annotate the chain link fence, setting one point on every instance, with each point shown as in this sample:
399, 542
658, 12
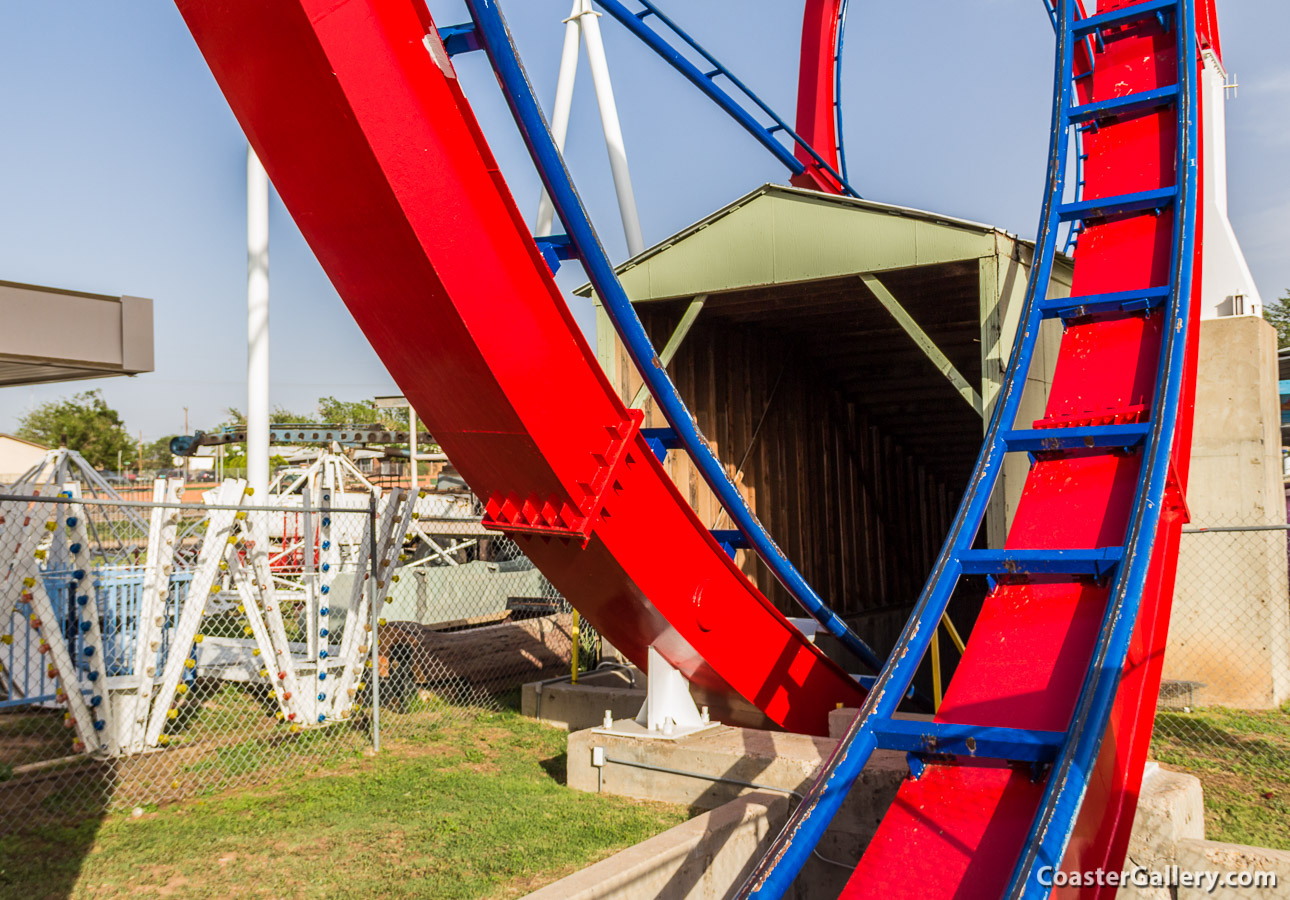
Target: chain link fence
1223, 711
157, 650
152, 651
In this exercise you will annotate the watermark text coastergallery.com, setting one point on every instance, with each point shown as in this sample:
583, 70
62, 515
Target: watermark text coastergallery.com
1164, 877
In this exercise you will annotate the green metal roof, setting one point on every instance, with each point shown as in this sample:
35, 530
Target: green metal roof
781, 235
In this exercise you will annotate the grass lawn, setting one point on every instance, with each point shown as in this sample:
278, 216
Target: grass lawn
471, 809
1242, 758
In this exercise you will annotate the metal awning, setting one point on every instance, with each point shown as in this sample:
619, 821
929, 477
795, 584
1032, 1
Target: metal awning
47, 334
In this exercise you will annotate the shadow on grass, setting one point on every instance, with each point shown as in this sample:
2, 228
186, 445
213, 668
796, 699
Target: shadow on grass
1216, 744
557, 767
1242, 758
64, 807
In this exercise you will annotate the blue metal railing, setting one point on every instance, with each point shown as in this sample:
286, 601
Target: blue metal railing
1068, 780
706, 82
496, 40
118, 592
837, 88
1074, 229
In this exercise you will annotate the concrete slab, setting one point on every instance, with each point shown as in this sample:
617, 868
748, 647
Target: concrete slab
706, 858
707, 770
1233, 861
1171, 809
583, 705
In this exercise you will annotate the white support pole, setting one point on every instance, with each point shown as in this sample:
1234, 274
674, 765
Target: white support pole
668, 709
614, 144
563, 104
257, 341
1227, 286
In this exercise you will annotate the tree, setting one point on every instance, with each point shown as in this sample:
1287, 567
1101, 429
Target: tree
157, 455
279, 416
88, 425
1278, 314
330, 411
360, 412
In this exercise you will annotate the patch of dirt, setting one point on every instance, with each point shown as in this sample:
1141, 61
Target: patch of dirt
172, 887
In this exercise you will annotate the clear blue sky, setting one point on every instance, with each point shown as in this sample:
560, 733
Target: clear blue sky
122, 169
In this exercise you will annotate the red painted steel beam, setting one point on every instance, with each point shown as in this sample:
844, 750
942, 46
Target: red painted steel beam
1207, 26
959, 830
816, 96
366, 134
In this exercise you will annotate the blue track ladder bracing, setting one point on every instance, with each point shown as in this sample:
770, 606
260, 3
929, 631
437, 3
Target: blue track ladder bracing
487, 31
837, 88
1065, 759
670, 43
676, 47
1075, 228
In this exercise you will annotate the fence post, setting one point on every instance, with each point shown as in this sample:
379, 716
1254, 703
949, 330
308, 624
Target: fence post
373, 604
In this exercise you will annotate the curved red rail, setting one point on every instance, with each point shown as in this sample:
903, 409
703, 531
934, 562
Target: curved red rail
817, 120
373, 148
958, 830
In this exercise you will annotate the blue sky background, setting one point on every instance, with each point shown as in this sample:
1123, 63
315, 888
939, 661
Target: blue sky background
122, 169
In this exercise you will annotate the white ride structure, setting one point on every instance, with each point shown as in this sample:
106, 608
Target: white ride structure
118, 642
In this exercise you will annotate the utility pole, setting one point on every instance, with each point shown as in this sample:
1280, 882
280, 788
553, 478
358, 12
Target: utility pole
186, 458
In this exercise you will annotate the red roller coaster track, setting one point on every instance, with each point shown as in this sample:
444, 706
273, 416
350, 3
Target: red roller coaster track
356, 111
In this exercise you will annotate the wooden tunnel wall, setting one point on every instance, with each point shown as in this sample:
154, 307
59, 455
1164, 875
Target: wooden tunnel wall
860, 517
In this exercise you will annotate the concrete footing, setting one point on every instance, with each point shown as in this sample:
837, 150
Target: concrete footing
620, 689
702, 859
1169, 830
706, 771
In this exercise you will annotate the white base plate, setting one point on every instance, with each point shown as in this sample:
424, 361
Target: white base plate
632, 728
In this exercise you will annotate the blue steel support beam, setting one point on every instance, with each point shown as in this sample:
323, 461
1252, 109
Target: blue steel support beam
973, 741
704, 82
496, 41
